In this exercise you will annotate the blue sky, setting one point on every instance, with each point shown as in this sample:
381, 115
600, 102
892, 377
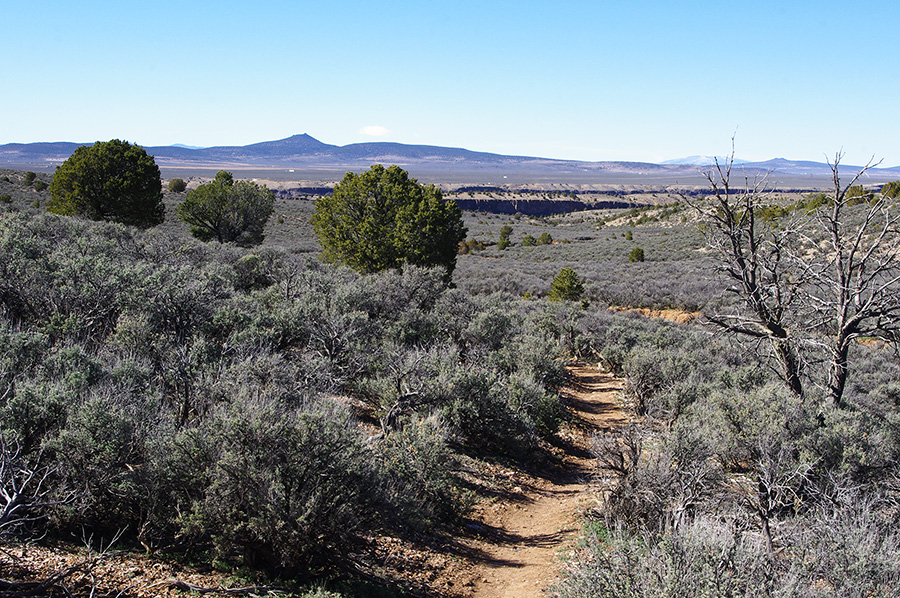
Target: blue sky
591, 80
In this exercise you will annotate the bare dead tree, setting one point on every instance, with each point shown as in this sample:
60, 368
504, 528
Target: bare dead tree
407, 391
852, 281
777, 486
26, 491
753, 257
618, 451
822, 280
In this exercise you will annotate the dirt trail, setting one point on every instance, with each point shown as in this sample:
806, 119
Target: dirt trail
521, 536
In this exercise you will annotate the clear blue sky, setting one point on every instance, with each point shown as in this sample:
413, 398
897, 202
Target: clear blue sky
589, 80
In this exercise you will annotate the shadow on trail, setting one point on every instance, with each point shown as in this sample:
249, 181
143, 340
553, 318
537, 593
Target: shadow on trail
609, 410
539, 517
560, 472
594, 382
505, 494
543, 540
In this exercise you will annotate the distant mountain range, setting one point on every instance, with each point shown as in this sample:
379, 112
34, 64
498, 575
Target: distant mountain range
303, 151
702, 160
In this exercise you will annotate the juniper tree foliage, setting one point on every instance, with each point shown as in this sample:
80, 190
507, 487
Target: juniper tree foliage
228, 211
177, 185
383, 219
504, 242
566, 286
891, 190
110, 180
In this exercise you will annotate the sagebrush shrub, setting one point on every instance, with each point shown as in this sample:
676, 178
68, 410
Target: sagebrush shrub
188, 394
419, 464
288, 488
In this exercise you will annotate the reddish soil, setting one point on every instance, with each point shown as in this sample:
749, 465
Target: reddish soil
76, 571
672, 315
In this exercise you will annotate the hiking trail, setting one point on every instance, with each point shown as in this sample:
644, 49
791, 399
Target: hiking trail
520, 536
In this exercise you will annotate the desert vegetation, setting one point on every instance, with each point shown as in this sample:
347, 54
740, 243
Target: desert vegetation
757, 468
208, 399
266, 411
727, 483
225, 210
111, 180
384, 219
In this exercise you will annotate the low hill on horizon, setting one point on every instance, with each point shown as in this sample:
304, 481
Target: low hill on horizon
304, 151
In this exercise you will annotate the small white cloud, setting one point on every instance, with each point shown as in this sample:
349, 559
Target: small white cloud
375, 131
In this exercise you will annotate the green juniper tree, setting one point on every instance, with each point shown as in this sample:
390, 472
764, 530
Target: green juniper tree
383, 219
505, 232
566, 286
891, 190
228, 211
110, 180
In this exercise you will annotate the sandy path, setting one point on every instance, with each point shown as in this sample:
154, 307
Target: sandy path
521, 536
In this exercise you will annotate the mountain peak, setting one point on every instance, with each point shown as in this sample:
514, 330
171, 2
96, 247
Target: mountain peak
301, 138
295, 144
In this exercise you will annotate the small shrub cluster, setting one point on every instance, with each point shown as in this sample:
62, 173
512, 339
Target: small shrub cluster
566, 286
22, 191
505, 232
891, 189
470, 245
676, 273
847, 550
544, 239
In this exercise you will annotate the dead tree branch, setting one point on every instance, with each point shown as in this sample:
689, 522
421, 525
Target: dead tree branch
752, 256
